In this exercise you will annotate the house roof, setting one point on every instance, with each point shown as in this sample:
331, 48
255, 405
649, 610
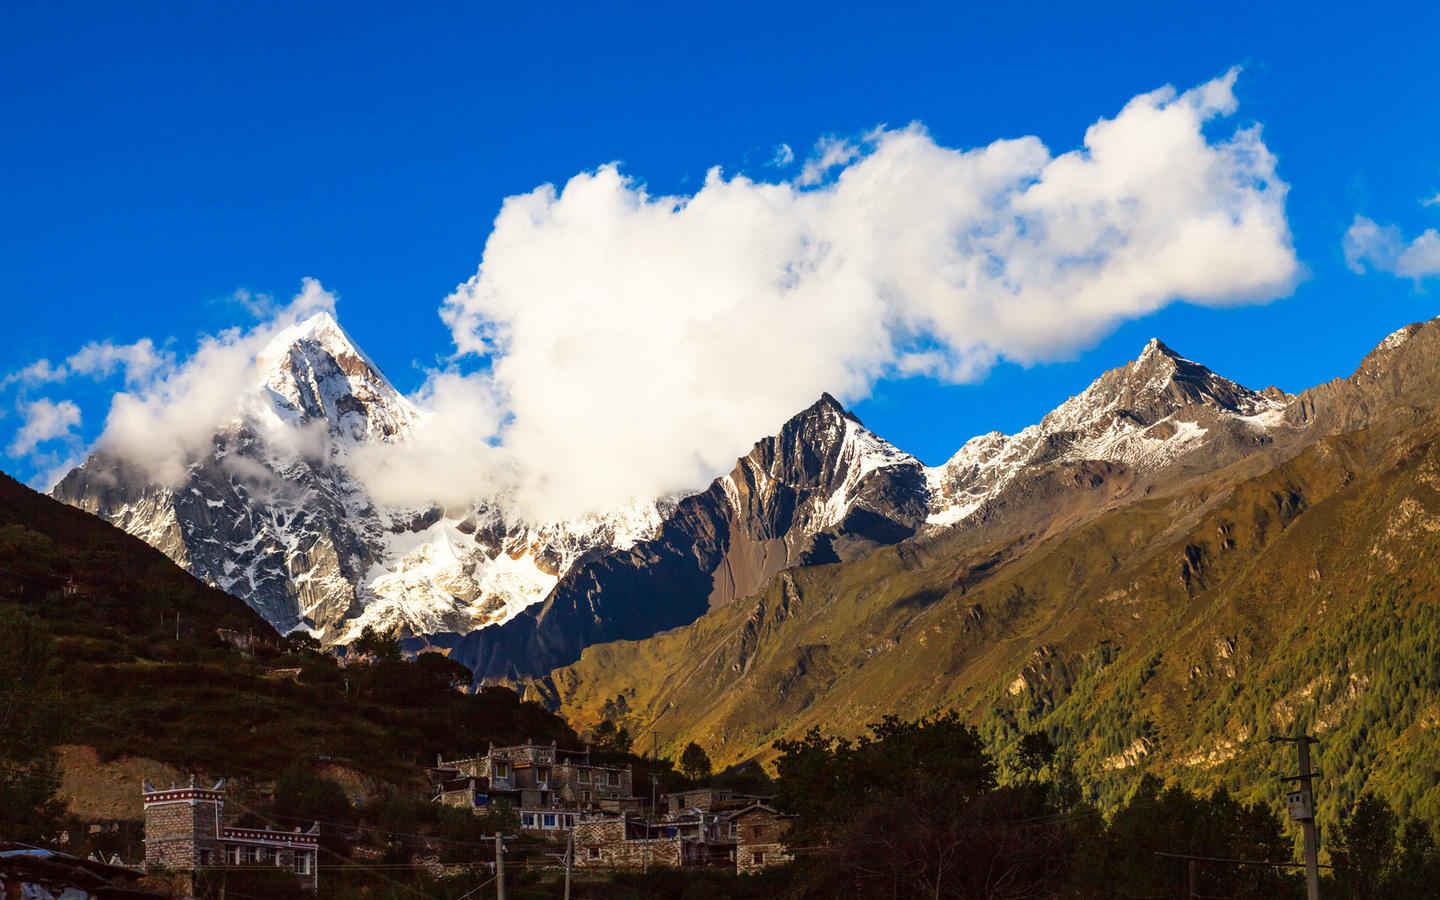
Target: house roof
102, 879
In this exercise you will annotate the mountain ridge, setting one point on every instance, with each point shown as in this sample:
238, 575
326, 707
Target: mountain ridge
319, 554
1169, 632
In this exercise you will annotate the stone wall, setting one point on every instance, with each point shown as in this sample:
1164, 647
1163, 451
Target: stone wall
603, 845
758, 832
754, 857
178, 831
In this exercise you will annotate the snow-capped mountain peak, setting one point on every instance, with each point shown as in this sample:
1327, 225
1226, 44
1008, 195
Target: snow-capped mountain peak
313, 371
274, 514
1146, 415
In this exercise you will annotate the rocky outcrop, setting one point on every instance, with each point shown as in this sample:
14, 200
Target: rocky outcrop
823, 489
273, 514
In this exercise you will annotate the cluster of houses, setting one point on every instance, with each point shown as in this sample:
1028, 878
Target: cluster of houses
555, 794
559, 792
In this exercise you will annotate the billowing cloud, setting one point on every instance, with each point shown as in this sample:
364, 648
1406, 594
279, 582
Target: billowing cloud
637, 343
172, 415
44, 420
138, 361
784, 156
1384, 248
623, 345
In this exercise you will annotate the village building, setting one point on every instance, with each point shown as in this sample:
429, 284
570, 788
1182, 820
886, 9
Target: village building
186, 831
708, 799
759, 831
554, 791
546, 786
625, 843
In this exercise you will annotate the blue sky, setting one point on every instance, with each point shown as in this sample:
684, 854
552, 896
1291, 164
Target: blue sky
156, 160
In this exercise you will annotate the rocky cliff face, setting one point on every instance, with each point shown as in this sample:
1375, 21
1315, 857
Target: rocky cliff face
1163, 608
273, 514
824, 488
1161, 413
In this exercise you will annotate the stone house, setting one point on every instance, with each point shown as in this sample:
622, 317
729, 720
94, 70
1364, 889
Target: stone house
186, 831
758, 831
625, 843
541, 781
708, 799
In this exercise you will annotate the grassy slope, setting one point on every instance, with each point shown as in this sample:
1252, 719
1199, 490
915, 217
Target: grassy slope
130, 688
1181, 629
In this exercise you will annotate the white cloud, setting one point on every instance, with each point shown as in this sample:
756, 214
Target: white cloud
41, 371
1431, 201
98, 359
45, 420
172, 414
258, 305
634, 345
1383, 248
784, 156
450, 459
138, 361
829, 153
638, 343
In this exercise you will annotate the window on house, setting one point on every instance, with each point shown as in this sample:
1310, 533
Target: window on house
759, 857
502, 770
302, 863
594, 852
253, 855
585, 796
549, 820
542, 774
613, 779
232, 855
527, 820
584, 776
204, 857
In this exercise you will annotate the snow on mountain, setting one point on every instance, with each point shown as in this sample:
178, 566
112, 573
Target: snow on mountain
273, 514
1147, 415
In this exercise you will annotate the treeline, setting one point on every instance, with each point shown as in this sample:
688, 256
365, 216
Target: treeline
921, 809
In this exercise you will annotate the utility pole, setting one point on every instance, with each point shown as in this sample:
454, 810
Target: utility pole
569, 858
1301, 803
499, 867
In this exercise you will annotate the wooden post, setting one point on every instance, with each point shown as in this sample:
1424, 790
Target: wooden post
499, 867
1312, 863
569, 857
1302, 807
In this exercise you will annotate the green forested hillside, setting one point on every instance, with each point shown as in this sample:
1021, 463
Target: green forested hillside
1169, 636
91, 613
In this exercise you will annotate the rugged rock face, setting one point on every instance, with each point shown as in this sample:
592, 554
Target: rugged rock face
823, 489
1161, 413
1161, 616
272, 513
